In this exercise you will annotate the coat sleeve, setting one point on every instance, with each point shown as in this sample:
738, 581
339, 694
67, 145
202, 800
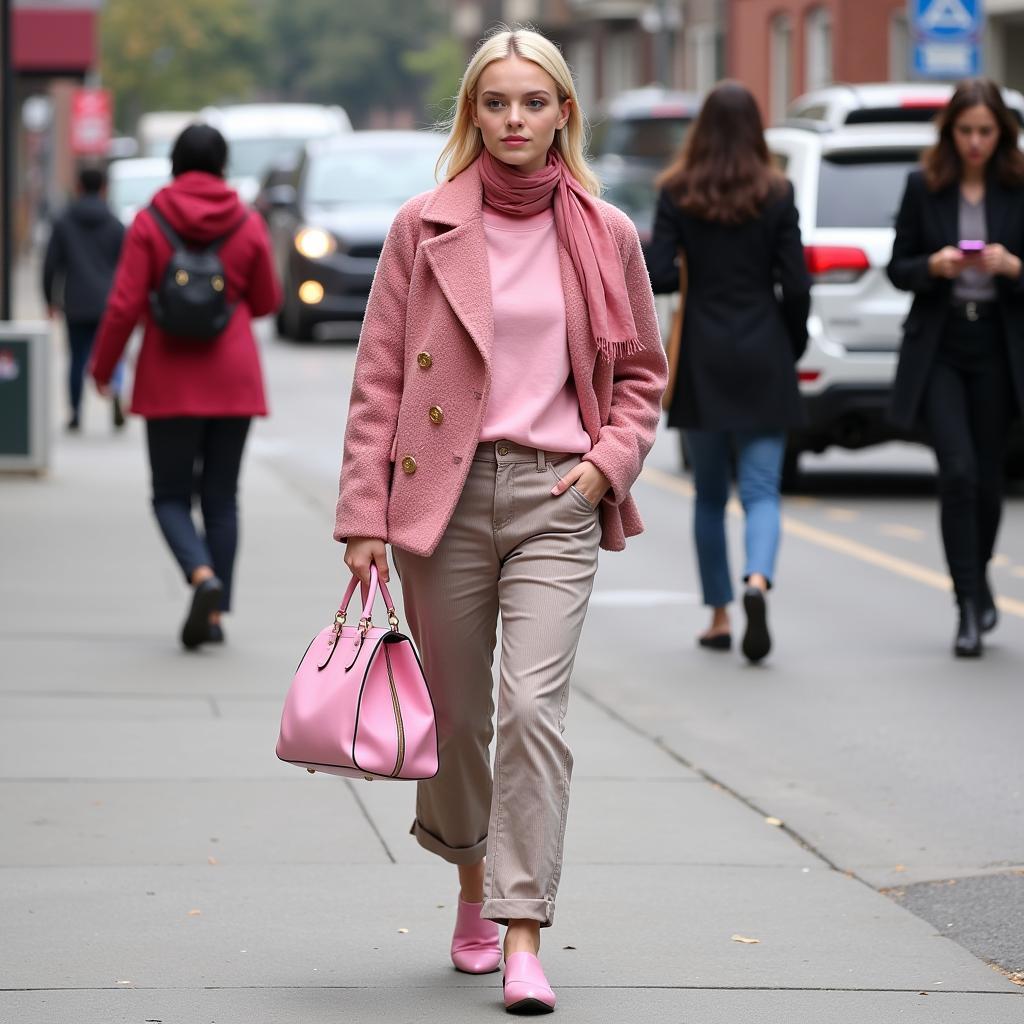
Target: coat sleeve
664, 249
365, 483
53, 262
792, 275
637, 385
263, 292
908, 268
126, 303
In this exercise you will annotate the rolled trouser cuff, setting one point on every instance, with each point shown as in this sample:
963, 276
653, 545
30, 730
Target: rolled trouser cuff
504, 911
453, 854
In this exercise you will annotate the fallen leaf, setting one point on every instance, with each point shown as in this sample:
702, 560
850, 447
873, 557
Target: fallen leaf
745, 940
194, 913
440, 906
568, 947
775, 822
403, 931
900, 867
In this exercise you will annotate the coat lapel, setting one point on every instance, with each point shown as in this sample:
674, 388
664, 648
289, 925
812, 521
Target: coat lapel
458, 257
996, 209
948, 207
582, 350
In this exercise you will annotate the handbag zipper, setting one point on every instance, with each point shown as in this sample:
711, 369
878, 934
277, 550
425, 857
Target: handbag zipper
399, 725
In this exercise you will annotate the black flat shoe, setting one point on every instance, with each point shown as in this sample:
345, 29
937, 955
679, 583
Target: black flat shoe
988, 613
718, 642
206, 598
968, 633
757, 641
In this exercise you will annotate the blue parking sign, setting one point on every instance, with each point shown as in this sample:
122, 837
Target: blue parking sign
946, 37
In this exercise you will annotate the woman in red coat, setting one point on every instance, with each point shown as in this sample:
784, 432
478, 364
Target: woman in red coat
198, 396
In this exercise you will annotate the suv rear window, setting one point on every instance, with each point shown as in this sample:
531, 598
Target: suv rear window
642, 138
863, 189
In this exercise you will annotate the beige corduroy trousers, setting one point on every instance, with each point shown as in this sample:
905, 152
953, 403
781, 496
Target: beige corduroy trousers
513, 549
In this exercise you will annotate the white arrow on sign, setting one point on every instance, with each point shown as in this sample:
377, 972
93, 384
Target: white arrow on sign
946, 14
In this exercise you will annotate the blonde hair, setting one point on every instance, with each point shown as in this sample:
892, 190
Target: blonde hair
464, 140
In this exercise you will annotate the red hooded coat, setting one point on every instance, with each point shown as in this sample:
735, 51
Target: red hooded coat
174, 377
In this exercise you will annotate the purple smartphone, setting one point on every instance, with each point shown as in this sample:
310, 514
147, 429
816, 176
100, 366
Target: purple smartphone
970, 246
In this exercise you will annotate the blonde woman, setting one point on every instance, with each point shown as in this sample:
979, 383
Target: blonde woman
505, 396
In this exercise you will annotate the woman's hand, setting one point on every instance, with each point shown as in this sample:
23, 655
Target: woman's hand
588, 480
997, 259
362, 552
947, 262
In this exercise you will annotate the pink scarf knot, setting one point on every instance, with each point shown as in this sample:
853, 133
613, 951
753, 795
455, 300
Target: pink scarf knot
582, 230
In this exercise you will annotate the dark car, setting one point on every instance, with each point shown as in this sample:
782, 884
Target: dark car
329, 225
635, 136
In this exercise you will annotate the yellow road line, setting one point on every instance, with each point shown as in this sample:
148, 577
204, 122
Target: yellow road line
841, 545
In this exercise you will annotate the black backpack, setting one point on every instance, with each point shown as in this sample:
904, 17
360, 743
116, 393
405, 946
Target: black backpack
191, 299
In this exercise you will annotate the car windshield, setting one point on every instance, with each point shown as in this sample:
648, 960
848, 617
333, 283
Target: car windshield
135, 191
862, 189
370, 176
634, 197
642, 138
250, 158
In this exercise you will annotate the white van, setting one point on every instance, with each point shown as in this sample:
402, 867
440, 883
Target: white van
157, 130
258, 134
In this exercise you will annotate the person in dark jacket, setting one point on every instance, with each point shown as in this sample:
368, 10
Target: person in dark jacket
731, 216
958, 248
79, 266
198, 395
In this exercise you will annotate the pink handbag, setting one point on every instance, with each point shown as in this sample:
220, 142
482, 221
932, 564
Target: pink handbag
359, 705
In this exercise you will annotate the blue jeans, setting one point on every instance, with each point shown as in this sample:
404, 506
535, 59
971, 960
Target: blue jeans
758, 457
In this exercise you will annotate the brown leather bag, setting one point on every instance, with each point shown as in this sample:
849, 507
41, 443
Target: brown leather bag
675, 336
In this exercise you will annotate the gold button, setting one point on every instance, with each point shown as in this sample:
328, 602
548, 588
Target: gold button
425, 361
408, 465
503, 450
181, 278
218, 284
436, 416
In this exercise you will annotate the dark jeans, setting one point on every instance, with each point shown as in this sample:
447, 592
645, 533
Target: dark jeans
968, 406
80, 339
191, 455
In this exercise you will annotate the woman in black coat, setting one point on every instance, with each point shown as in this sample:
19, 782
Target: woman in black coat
959, 240
731, 216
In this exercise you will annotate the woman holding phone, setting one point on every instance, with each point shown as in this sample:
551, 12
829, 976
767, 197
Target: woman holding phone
959, 240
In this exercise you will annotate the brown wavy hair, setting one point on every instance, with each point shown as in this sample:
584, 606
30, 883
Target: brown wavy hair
724, 172
941, 162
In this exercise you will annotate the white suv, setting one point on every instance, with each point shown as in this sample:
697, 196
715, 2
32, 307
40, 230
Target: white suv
848, 150
848, 184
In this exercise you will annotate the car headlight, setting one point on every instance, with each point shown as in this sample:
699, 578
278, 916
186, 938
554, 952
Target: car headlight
315, 243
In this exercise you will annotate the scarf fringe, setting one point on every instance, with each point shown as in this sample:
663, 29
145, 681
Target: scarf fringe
612, 350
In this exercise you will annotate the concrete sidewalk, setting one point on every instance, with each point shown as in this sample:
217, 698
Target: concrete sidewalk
159, 864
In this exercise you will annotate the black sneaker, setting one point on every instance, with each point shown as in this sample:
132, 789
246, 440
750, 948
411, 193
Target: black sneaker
757, 641
74, 425
206, 598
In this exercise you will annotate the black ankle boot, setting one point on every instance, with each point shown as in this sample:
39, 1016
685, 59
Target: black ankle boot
988, 614
968, 634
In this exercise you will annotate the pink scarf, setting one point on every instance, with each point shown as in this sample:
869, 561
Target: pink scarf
582, 230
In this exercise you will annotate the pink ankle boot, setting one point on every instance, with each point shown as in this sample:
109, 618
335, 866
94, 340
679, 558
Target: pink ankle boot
475, 946
526, 988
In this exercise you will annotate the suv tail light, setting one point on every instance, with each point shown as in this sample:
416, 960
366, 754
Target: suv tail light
836, 264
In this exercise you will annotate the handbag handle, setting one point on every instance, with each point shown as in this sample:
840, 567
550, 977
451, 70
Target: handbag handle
369, 598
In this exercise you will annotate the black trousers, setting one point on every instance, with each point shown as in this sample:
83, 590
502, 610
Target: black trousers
80, 339
194, 455
968, 406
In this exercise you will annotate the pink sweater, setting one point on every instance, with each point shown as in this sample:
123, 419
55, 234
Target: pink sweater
533, 397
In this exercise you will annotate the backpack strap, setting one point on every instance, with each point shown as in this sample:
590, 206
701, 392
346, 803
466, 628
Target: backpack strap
178, 242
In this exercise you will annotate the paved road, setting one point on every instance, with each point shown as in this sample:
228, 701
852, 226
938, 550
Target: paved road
158, 864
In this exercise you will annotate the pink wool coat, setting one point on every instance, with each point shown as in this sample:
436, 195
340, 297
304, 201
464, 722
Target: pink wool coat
422, 376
